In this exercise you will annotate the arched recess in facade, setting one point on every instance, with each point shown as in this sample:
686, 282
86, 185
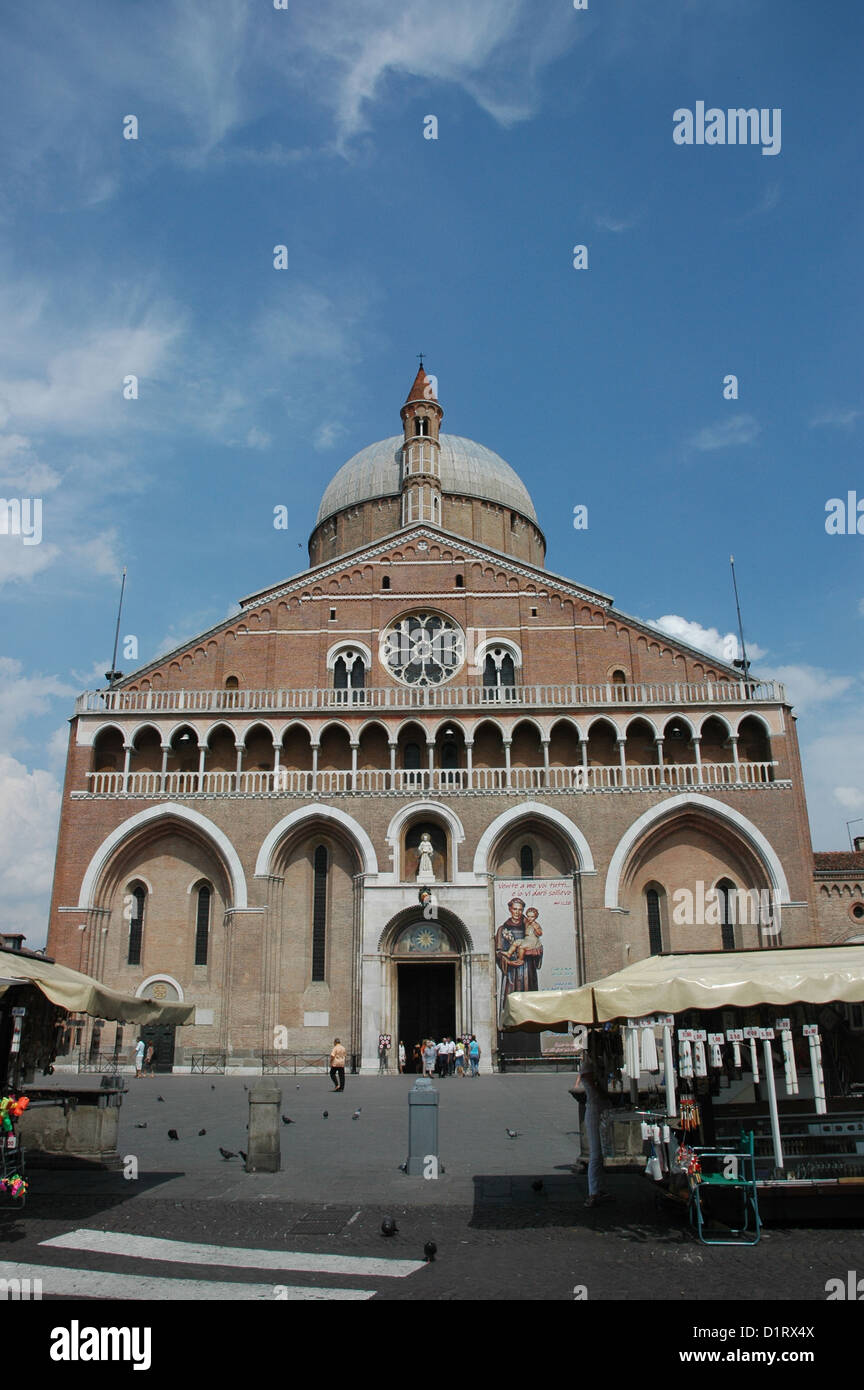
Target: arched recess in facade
142, 910
412, 940
686, 853
533, 813
314, 860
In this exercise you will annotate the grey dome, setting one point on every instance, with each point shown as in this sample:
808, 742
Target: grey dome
467, 469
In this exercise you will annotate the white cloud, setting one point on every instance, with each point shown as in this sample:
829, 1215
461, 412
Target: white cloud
258, 439
328, 435
832, 753
614, 224
722, 646
850, 797
727, 434
25, 697
838, 419
807, 686
29, 813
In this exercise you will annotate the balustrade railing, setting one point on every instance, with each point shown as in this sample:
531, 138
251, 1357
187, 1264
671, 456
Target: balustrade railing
429, 697
339, 782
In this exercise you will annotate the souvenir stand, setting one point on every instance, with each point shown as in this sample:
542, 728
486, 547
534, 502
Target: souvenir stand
723, 1045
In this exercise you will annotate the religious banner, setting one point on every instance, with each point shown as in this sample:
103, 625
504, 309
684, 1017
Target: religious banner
535, 941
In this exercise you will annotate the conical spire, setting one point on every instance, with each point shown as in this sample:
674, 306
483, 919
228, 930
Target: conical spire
422, 385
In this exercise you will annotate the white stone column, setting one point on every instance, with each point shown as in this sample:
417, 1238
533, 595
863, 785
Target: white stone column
239, 767
545, 743
507, 743
355, 748
277, 754
658, 744
314, 767
127, 755
393, 748
697, 746
733, 739
166, 748
622, 760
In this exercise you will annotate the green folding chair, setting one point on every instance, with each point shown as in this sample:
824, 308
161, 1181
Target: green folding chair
736, 1173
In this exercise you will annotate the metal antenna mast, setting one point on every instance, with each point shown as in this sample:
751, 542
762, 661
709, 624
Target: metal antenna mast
744, 664
114, 675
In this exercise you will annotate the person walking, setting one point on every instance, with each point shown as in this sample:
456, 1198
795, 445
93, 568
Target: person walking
587, 1085
384, 1045
474, 1056
459, 1057
148, 1060
139, 1057
402, 1059
417, 1057
430, 1055
338, 1058
451, 1057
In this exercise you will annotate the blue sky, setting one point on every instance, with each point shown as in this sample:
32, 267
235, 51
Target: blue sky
603, 386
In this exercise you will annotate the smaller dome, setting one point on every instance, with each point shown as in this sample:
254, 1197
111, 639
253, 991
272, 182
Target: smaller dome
468, 469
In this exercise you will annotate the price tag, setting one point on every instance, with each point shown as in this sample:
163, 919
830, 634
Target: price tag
782, 1025
686, 1034
752, 1033
699, 1035
735, 1034
19, 1013
811, 1030
715, 1038
767, 1033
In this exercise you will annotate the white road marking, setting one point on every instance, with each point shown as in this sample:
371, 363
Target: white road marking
96, 1283
236, 1257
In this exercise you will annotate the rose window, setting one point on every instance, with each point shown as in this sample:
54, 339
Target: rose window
423, 649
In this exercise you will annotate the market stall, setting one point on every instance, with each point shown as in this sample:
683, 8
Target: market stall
68, 1124
751, 1040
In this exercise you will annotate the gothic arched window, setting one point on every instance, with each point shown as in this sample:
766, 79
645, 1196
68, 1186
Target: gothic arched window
726, 894
319, 914
655, 926
526, 861
136, 925
202, 925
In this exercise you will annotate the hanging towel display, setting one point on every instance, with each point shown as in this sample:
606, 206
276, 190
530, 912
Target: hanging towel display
685, 1057
649, 1051
631, 1053
750, 1034
811, 1033
789, 1069
699, 1066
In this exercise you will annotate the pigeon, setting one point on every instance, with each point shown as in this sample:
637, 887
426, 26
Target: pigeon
212, 1088
141, 1124
286, 1120
172, 1134
201, 1132
537, 1185
356, 1115
243, 1156
226, 1153
245, 1087
388, 1226
298, 1088
512, 1134
430, 1250
162, 1098
325, 1114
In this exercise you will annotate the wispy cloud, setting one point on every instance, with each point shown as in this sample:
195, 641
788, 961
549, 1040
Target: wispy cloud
836, 419
726, 434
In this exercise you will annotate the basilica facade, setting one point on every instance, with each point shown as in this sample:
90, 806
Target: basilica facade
421, 773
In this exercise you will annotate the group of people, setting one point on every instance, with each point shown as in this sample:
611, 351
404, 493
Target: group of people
450, 1057
143, 1058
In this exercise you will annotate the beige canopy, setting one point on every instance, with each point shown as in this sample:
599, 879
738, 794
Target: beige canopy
711, 980
80, 994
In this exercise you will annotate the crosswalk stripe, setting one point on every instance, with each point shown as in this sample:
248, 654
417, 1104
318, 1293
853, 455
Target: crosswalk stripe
234, 1257
97, 1283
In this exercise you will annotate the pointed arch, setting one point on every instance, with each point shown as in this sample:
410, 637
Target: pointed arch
534, 810
168, 811
667, 810
318, 812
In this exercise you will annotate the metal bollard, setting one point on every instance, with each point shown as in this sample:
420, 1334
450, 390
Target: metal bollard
265, 1103
422, 1129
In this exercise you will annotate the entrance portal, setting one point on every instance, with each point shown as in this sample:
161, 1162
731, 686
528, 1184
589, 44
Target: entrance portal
427, 1003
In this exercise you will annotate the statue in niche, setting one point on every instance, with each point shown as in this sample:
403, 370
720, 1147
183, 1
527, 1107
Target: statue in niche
425, 849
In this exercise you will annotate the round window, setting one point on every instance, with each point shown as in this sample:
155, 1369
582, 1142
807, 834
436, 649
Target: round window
423, 649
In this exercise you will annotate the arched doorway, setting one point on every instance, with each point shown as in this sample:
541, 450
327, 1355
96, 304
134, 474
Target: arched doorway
161, 1035
429, 987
